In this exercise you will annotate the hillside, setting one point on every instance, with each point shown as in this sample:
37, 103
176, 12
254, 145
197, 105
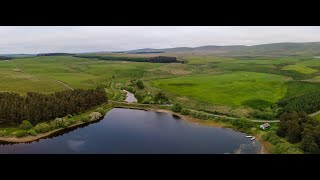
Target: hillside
274, 49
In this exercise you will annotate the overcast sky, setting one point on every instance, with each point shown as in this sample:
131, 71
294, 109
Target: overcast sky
73, 39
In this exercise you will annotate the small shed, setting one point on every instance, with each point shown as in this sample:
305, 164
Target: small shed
265, 126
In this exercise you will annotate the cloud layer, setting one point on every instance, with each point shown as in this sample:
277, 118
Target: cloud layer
73, 39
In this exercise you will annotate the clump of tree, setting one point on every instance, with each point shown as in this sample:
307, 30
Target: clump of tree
271, 137
37, 107
138, 83
25, 125
5, 58
308, 103
286, 148
242, 123
161, 98
55, 54
42, 128
299, 127
163, 59
149, 52
263, 114
176, 107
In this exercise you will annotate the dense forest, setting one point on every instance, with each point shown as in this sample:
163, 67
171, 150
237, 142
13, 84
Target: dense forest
153, 52
308, 103
5, 58
158, 59
299, 127
55, 54
36, 107
163, 59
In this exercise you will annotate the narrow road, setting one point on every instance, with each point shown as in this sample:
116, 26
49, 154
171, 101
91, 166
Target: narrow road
66, 85
315, 113
265, 121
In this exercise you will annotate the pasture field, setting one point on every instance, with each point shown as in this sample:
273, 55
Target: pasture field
206, 82
317, 117
235, 89
305, 67
14, 80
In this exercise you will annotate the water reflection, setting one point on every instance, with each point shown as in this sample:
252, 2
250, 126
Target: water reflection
124, 131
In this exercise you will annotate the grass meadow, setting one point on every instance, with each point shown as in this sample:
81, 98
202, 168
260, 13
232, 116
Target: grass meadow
204, 81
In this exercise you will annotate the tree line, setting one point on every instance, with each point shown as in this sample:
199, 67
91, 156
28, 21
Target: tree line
5, 58
37, 107
55, 54
158, 59
308, 103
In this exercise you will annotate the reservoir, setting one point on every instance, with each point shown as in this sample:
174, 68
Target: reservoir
128, 131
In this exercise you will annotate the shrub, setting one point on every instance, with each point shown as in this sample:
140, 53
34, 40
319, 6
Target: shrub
69, 116
160, 96
85, 119
139, 84
100, 110
20, 134
176, 107
242, 123
42, 128
94, 116
3, 133
285, 148
32, 132
271, 137
58, 123
185, 111
223, 119
53, 125
71, 121
25, 125
274, 140
66, 123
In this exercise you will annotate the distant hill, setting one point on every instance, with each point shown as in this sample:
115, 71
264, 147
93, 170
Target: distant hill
286, 48
17, 55
273, 49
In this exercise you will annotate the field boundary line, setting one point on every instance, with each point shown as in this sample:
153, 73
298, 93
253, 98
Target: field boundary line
66, 85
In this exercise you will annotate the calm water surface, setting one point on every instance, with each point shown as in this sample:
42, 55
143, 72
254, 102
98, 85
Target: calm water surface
130, 97
137, 131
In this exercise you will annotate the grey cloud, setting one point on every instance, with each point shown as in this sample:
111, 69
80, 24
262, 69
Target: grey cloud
37, 39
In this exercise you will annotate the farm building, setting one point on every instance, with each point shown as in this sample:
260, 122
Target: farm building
265, 126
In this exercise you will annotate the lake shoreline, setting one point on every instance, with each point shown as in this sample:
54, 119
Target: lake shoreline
184, 117
27, 139
200, 122
212, 124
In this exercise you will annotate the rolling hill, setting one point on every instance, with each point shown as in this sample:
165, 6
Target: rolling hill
274, 49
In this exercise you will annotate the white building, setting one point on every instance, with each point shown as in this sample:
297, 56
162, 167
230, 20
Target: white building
265, 126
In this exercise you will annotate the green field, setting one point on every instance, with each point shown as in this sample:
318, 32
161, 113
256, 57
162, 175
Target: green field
13, 80
300, 68
305, 67
45, 74
205, 81
317, 117
235, 89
